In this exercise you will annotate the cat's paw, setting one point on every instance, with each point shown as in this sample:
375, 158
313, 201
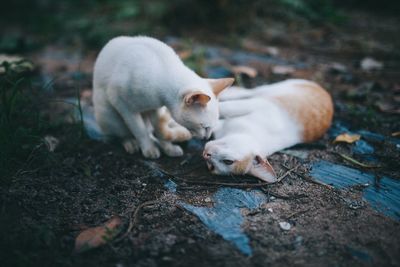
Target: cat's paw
131, 146
151, 151
180, 134
171, 150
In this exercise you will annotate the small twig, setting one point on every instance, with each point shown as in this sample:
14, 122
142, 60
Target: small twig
245, 185
285, 197
297, 213
135, 217
309, 179
286, 173
356, 162
198, 166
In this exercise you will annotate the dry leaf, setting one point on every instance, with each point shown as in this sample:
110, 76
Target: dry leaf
396, 134
51, 142
249, 71
347, 138
97, 236
184, 54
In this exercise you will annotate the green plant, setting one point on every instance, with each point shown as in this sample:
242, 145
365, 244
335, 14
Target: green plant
21, 125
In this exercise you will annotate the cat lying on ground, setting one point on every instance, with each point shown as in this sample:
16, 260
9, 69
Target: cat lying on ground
133, 78
256, 123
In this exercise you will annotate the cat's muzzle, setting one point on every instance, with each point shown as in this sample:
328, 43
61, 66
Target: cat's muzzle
209, 163
210, 166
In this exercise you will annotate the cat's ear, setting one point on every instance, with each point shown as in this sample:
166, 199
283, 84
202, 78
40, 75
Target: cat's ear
261, 169
218, 85
196, 98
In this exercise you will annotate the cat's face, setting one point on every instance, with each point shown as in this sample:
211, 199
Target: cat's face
224, 158
200, 119
198, 111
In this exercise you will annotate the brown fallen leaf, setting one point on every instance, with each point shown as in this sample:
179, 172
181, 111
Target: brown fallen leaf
249, 71
347, 138
97, 236
184, 54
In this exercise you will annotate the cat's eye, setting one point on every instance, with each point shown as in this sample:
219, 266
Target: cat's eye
227, 161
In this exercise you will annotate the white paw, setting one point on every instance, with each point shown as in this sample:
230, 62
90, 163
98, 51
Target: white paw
173, 150
181, 134
151, 151
131, 146
170, 149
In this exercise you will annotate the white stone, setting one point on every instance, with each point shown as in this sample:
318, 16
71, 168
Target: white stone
369, 64
285, 226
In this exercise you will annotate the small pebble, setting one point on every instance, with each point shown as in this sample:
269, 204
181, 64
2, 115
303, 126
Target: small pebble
285, 226
272, 198
144, 184
270, 210
208, 199
369, 64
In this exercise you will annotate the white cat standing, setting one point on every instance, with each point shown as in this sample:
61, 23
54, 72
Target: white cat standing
133, 78
264, 120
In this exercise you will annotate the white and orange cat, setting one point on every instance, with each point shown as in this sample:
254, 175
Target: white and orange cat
134, 77
256, 123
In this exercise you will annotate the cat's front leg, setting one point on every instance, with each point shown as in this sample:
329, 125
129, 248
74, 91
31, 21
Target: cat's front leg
130, 145
170, 149
166, 128
138, 128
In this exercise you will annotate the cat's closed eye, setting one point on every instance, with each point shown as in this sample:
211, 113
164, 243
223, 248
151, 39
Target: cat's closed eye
227, 161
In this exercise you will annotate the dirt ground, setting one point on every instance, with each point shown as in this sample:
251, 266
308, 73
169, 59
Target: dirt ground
86, 182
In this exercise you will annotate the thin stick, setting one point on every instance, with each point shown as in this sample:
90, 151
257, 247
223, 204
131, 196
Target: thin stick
297, 213
310, 180
245, 185
286, 197
134, 218
135, 215
356, 162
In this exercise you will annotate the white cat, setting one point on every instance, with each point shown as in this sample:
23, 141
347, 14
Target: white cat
256, 123
134, 76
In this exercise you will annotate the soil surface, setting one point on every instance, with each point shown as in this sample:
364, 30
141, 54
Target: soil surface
86, 182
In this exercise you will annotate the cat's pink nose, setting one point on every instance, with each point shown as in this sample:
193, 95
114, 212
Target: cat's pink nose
206, 155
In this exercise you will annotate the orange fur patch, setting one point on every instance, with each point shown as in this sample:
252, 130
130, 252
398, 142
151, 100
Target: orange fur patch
312, 108
163, 121
168, 134
240, 166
